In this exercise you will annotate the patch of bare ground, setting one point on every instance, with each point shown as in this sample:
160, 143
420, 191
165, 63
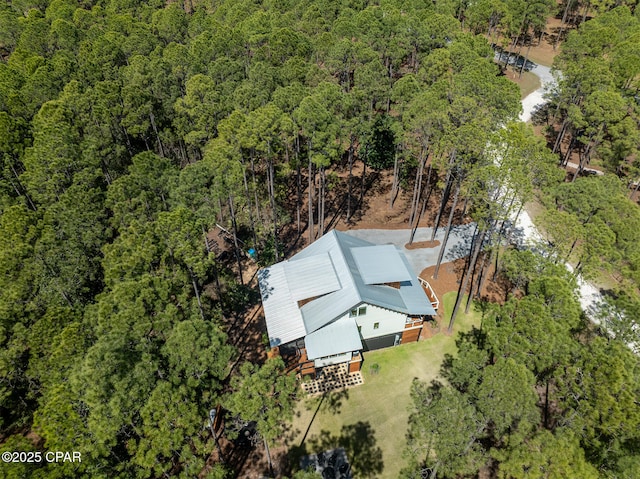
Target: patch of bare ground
448, 280
495, 289
245, 331
449, 277
543, 49
422, 244
369, 206
375, 211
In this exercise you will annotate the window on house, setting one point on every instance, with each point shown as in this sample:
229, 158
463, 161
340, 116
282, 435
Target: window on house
355, 312
376, 325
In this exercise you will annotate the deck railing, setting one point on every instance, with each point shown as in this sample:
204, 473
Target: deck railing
435, 302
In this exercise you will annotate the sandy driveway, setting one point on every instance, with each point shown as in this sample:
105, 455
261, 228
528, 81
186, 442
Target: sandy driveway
421, 258
589, 295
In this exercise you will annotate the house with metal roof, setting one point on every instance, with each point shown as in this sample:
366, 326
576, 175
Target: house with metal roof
340, 296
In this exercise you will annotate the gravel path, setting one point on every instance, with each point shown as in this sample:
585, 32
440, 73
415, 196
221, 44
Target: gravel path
535, 98
589, 295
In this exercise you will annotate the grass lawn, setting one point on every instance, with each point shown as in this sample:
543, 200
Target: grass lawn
534, 209
371, 420
528, 83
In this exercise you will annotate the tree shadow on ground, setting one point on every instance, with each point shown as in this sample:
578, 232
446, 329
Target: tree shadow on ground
359, 442
460, 249
329, 402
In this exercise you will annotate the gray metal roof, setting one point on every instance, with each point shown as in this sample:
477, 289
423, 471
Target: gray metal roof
332, 269
380, 264
341, 336
284, 321
409, 299
312, 276
414, 297
323, 310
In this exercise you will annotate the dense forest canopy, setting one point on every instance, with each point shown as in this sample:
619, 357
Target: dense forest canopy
129, 129
595, 113
534, 393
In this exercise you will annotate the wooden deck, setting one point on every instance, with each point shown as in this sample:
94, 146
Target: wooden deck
299, 363
306, 367
435, 302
